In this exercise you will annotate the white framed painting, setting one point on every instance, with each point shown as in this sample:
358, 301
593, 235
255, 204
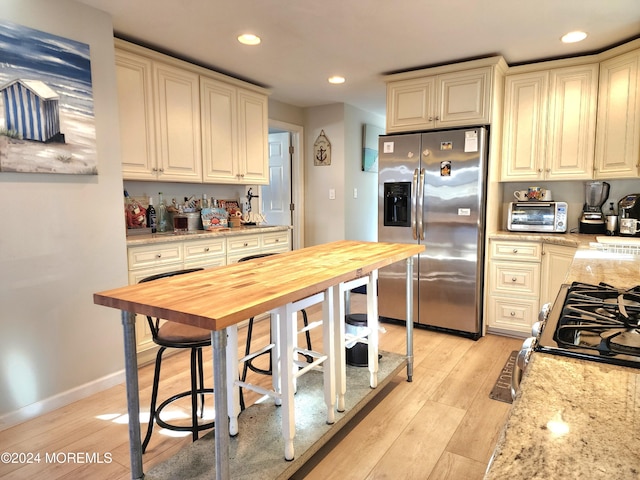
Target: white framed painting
46, 103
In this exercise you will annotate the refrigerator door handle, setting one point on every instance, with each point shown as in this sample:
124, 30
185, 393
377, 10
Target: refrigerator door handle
414, 196
421, 205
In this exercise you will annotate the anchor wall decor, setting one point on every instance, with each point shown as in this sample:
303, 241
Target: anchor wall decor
322, 150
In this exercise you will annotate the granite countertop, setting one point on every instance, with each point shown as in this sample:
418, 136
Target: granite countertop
151, 238
566, 239
598, 403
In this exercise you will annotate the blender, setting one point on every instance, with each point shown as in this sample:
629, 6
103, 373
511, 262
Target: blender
592, 219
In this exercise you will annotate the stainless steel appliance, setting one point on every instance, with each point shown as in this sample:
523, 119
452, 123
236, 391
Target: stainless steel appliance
550, 217
592, 219
629, 213
590, 322
432, 191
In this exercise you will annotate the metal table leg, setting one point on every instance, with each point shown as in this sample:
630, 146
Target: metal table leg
410, 319
219, 342
133, 399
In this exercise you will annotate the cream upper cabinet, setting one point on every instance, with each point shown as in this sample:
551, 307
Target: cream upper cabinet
618, 132
159, 120
549, 124
178, 124
457, 98
219, 131
234, 134
136, 116
183, 123
253, 133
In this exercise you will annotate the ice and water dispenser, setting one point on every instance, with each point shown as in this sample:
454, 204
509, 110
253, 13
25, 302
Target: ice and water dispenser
397, 204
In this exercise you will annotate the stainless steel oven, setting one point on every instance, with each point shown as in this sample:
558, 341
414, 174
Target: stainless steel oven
599, 323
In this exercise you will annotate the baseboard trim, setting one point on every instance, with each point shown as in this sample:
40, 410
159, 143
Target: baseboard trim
60, 400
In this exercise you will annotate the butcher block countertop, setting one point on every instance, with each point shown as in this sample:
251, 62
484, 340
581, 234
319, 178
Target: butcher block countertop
576, 419
218, 297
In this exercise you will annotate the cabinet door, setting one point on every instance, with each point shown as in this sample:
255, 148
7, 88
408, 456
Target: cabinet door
556, 260
178, 124
464, 98
410, 105
218, 102
618, 131
134, 75
253, 135
525, 126
573, 97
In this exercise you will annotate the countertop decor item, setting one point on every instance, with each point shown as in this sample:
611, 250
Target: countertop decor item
322, 150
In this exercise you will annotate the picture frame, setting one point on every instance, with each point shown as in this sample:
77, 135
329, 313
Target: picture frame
370, 134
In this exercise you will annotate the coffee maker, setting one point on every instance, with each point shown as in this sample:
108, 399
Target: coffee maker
629, 212
592, 219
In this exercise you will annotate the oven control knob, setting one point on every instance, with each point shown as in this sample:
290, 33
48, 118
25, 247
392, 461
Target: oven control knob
536, 329
544, 312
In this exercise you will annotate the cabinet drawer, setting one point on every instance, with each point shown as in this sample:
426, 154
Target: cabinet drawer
512, 314
152, 255
275, 242
509, 278
516, 251
204, 250
243, 243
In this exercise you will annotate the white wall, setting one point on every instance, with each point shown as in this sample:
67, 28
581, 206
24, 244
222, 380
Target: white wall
62, 240
361, 221
345, 217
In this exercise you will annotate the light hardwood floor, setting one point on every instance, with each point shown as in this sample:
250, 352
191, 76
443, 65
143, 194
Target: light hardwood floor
443, 425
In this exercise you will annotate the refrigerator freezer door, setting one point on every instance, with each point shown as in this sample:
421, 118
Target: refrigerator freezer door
398, 163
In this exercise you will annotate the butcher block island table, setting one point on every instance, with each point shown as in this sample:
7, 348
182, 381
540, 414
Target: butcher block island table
221, 297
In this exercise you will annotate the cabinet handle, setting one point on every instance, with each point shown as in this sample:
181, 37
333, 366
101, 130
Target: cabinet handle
158, 255
539, 170
206, 249
154, 169
437, 117
277, 240
515, 250
246, 244
161, 170
431, 119
514, 279
513, 314
548, 170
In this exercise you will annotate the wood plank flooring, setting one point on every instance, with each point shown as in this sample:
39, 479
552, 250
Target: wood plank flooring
443, 425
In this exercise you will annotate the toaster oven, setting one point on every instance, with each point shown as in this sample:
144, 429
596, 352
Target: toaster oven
532, 216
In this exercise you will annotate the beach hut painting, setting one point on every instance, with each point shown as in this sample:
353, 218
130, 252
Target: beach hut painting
46, 103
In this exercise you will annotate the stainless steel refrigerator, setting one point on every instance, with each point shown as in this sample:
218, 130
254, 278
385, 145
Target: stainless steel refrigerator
432, 189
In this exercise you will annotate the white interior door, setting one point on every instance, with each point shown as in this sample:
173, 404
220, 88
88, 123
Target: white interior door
276, 197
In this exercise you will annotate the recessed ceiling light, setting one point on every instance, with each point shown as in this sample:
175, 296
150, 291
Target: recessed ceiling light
336, 79
573, 37
249, 39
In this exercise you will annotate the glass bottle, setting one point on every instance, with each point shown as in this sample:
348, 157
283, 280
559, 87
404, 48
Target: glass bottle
161, 222
152, 217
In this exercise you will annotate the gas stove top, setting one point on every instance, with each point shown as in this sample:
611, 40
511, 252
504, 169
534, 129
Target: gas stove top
594, 322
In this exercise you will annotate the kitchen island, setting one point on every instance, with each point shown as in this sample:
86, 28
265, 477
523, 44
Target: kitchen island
218, 298
575, 418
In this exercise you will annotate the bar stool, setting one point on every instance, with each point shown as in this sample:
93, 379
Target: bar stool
249, 356
285, 370
177, 335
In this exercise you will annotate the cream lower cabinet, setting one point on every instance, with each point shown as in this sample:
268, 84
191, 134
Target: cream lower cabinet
522, 277
556, 260
514, 286
247, 245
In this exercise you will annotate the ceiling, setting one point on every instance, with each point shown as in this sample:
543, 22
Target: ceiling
305, 42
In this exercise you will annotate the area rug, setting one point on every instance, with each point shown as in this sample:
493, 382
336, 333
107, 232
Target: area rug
502, 389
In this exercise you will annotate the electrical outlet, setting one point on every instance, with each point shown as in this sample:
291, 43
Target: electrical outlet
355, 193
332, 194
